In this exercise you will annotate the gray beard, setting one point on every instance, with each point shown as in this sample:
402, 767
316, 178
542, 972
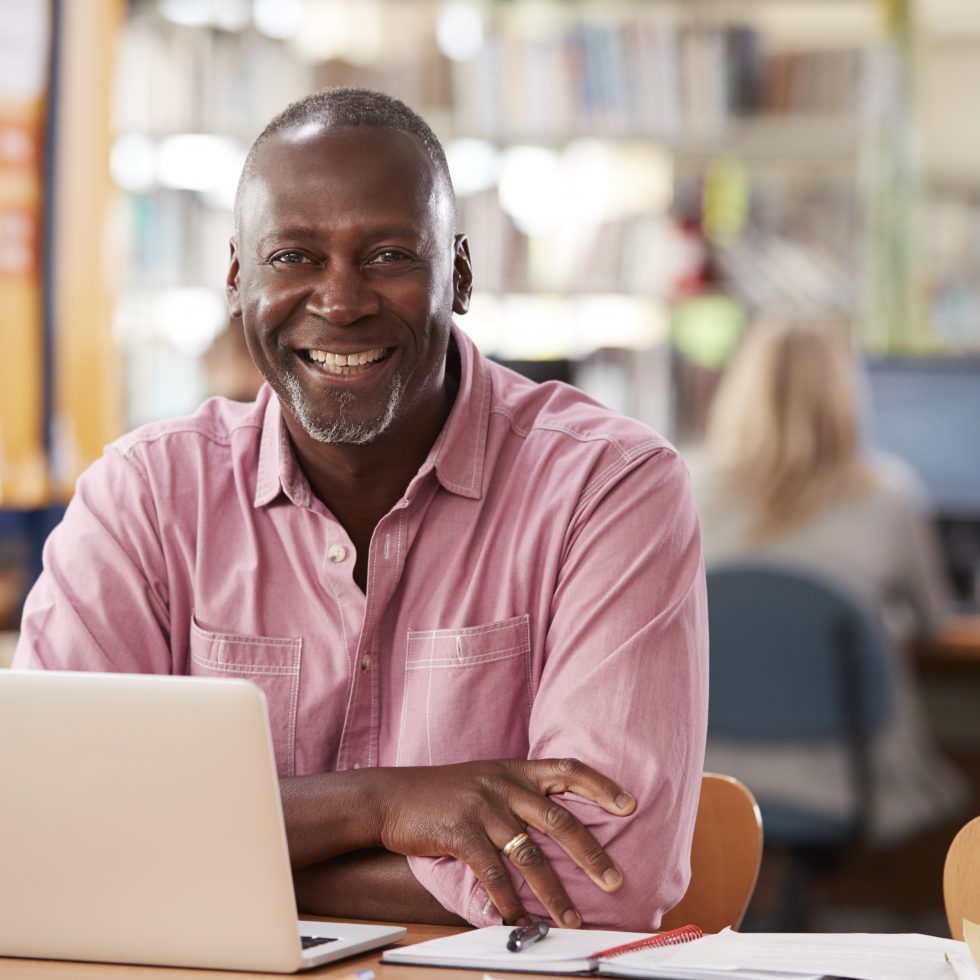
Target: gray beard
341, 430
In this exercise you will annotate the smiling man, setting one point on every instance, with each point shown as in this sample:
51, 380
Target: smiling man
475, 604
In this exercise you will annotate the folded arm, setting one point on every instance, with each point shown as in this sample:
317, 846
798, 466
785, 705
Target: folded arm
624, 689
467, 811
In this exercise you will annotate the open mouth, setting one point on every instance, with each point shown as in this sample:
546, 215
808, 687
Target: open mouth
347, 364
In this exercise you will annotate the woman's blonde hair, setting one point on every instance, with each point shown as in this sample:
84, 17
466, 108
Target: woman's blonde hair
783, 425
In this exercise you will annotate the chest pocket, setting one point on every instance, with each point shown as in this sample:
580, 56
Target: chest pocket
271, 663
467, 694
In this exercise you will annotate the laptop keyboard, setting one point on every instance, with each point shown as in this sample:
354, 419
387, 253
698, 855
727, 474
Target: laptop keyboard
310, 941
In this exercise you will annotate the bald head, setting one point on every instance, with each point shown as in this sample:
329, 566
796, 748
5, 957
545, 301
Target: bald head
348, 107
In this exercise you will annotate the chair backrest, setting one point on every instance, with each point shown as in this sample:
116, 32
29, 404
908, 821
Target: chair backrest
793, 656
725, 856
961, 878
796, 658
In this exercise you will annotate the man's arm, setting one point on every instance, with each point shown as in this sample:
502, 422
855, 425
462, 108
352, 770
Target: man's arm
101, 602
624, 689
370, 884
467, 811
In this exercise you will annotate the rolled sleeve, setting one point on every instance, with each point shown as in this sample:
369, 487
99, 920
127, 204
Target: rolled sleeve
625, 690
101, 600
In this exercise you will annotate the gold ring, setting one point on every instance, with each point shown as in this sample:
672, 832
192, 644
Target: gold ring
514, 843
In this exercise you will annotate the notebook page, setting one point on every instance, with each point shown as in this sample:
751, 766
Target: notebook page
861, 956
564, 950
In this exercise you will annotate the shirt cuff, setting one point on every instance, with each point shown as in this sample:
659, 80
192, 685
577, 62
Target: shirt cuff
456, 888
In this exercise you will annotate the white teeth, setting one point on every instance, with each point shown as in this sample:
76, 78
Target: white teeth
341, 363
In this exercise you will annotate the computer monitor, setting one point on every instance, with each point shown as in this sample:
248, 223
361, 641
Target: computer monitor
926, 410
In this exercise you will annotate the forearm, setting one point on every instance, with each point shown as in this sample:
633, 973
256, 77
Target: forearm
371, 884
464, 811
329, 814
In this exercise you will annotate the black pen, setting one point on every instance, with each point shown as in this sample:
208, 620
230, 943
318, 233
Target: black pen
522, 938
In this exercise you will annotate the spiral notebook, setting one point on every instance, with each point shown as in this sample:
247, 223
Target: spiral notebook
564, 951
684, 954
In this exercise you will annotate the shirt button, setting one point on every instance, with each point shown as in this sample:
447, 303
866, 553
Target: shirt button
365, 662
337, 553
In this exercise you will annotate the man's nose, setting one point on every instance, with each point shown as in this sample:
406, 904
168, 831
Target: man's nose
342, 295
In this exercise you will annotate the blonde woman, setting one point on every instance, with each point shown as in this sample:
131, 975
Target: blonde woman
782, 480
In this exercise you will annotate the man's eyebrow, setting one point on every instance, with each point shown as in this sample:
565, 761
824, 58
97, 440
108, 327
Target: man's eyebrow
290, 231
404, 230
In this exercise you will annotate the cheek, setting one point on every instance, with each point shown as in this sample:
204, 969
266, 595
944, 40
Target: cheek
271, 297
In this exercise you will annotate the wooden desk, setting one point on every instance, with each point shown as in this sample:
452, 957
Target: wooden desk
948, 669
957, 642
16, 969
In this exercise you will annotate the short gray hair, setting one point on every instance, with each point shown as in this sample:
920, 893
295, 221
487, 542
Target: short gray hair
350, 107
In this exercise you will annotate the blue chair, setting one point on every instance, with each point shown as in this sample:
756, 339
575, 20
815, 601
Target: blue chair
795, 658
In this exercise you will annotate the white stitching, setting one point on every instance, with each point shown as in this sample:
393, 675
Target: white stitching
502, 624
351, 676
467, 660
234, 668
428, 717
293, 711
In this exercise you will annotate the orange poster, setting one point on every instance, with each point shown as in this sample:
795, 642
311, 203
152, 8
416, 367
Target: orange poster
25, 51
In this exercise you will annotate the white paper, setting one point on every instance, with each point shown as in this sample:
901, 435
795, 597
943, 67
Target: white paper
566, 949
971, 933
861, 956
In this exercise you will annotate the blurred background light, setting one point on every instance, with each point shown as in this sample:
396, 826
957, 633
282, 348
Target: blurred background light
459, 30
531, 187
588, 171
132, 162
232, 15
324, 30
229, 15
278, 18
189, 318
189, 13
706, 329
197, 162
474, 165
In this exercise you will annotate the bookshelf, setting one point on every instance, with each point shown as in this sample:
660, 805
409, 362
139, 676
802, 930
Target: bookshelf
593, 144
949, 74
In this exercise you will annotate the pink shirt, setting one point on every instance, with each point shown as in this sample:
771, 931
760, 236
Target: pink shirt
538, 592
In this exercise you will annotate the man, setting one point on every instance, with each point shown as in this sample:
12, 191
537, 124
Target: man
436, 570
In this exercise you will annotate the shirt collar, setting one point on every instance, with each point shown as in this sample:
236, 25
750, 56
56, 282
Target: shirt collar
457, 456
278, 466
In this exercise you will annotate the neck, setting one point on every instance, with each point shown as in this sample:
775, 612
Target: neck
360, 483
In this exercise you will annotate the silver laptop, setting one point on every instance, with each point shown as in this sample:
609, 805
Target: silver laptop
141, 823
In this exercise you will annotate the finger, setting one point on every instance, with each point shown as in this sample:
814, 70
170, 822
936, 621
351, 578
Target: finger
570, 775
485, 861
532, 864
572, 836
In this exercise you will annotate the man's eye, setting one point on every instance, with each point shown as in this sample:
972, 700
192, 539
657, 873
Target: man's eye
388, 255
290, 258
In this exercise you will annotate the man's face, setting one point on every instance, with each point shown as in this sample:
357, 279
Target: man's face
345, 273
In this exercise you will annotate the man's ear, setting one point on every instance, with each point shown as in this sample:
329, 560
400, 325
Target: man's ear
231, 284
462, 275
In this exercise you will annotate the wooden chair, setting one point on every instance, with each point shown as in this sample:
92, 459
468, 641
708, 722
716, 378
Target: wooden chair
725, 857
961, 878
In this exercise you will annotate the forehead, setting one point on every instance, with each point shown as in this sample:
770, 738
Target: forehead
343, 173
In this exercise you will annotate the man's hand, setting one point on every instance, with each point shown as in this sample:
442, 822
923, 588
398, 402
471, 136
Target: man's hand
471, 810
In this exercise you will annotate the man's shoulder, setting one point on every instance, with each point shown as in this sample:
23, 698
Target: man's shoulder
568, 417
215, 424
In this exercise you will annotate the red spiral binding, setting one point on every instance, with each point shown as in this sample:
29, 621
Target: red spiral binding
673, 937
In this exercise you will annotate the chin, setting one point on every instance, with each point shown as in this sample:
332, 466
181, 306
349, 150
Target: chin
338, 428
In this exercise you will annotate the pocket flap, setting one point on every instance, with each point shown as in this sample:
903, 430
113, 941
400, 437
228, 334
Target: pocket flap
469, 645
232, 651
